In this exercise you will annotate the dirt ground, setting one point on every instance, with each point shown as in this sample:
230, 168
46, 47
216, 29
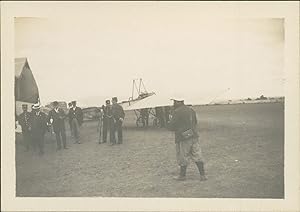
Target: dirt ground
243, 146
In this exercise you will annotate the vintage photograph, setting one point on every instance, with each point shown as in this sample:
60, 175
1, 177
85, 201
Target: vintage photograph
149, 100
116, 108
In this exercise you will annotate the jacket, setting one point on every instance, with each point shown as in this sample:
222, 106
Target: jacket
183, 118
58, 119
117, 112
38, 123
107, 112
24, 121
77, 114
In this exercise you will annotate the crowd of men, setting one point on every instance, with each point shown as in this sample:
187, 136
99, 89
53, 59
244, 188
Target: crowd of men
36, 123
183, 122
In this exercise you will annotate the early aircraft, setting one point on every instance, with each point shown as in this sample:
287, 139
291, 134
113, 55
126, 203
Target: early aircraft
151, 104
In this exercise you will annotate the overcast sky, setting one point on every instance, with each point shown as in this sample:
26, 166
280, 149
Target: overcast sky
99, 54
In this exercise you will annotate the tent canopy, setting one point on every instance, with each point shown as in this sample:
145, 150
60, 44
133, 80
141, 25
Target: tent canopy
26, 89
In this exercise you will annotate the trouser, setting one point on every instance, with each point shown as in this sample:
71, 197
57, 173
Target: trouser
38, 141
145, 121
76, 132
118, 129
61, 135
26, 139
71, 128
188, 149
108, 125
100, 128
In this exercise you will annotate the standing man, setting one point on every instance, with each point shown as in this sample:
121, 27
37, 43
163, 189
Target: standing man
56, 117
76, 118
118, 117
160, 116
24, 121
38, 122
184, 123
108, 123
70, 122
145, 116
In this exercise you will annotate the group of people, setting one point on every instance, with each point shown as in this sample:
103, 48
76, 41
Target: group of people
111, 119
162, 116
183, 122
36, 123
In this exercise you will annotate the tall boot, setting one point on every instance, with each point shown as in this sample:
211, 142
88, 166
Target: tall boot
200, 166
182, 174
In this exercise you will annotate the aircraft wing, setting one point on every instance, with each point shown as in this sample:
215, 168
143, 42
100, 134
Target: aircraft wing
161, 101
150, 102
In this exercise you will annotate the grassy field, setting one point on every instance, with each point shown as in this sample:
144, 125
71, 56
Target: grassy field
243, 146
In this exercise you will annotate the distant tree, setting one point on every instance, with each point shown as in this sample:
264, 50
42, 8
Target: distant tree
249, 99
262, 97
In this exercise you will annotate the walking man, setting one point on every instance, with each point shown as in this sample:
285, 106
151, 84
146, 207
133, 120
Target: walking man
118, 118
38, 122
24, 121
76, 118
108, 124
184, 123
56, 118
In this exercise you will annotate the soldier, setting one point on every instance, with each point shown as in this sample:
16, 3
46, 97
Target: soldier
38, 122
70, 122
108, 123
56, 117
76, 118
118, 118
100, 122
184, 123
24, 121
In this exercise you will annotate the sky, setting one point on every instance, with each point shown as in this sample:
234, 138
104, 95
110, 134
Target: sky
96, 56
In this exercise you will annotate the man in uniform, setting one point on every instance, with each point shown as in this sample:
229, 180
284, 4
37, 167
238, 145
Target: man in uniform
118, 118
38, 122
76, 118
108, 124
24, 121
70, 122
56, 117
99, 112
187, 144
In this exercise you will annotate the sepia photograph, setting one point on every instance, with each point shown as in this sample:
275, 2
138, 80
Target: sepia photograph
150, 100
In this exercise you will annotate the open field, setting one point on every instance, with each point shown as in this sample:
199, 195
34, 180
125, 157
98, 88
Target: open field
243, 146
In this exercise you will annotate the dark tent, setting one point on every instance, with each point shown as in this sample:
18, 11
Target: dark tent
26, 89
